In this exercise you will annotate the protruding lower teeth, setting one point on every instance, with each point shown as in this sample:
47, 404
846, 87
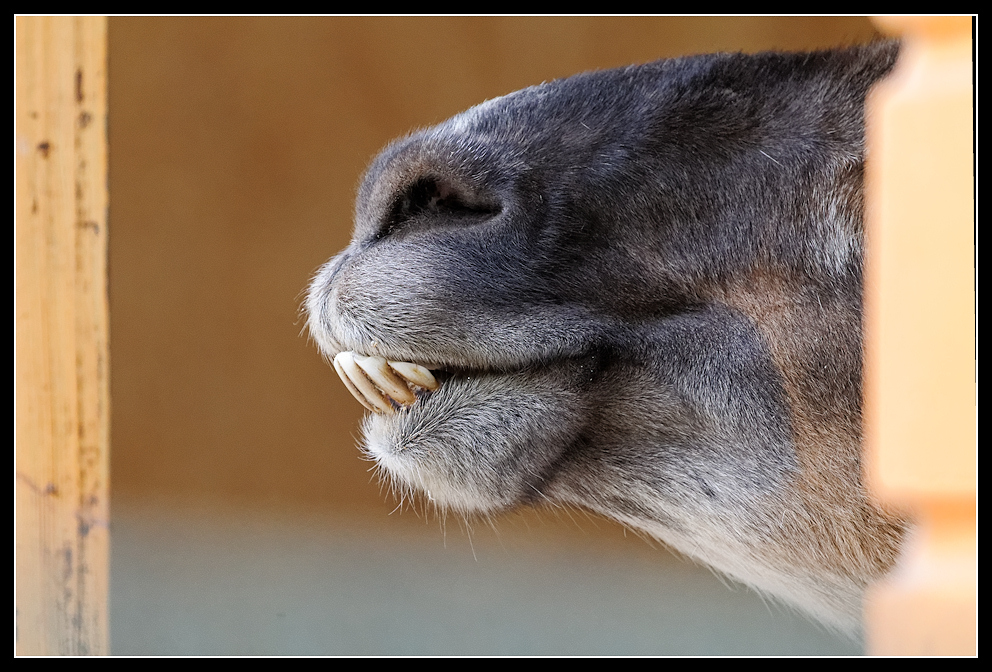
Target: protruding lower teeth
379, 384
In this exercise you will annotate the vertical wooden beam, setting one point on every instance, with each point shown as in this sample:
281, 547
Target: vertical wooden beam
920, 377
61, 368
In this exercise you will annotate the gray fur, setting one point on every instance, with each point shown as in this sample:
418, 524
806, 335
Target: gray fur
641, 289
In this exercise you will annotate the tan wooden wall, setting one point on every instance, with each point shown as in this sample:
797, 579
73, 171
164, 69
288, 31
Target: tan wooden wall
236, 148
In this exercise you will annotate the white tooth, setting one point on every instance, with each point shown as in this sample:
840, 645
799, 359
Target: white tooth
416, 374
387, 381
348, 384
341, 356
377, 382
359, 385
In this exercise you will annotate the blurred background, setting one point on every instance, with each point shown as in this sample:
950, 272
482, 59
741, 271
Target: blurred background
245, 520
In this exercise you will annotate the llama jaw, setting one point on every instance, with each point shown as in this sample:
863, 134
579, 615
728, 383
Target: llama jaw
382, 385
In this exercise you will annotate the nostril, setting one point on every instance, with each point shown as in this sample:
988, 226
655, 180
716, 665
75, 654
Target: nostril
435, 201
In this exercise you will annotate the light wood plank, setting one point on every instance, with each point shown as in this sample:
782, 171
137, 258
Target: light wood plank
62, 355
920, 384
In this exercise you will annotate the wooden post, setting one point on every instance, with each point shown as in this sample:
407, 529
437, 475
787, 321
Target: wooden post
61, 405
920, 376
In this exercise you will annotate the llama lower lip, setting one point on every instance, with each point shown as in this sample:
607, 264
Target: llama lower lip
383, 385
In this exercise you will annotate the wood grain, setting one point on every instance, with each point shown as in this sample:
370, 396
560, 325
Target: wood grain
61, 316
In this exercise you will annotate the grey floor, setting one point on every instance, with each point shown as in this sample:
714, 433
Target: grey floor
201, 581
